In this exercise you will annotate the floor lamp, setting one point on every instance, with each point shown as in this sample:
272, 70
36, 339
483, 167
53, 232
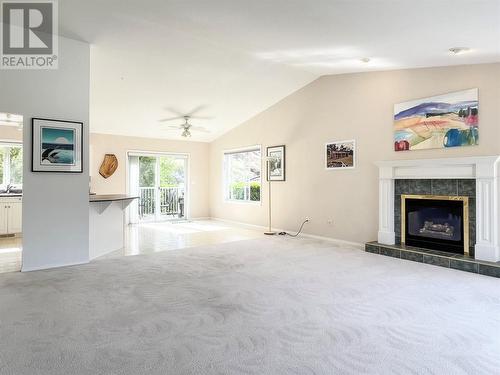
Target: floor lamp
269, 159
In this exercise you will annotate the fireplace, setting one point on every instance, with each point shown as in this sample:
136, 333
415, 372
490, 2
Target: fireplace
435, 222
484, 199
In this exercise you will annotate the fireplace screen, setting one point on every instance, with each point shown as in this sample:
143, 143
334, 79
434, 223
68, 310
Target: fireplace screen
435, 222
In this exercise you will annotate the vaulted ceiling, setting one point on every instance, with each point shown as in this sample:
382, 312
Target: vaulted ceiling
231, 59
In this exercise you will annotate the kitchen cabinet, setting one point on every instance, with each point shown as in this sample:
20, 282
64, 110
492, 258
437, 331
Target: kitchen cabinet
11, 209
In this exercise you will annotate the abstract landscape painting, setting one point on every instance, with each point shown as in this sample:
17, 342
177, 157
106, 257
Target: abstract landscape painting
443, 121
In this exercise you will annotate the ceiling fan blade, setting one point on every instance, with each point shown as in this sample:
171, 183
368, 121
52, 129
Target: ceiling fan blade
175, 111
171, 119
202, 117
191, 113
196, 110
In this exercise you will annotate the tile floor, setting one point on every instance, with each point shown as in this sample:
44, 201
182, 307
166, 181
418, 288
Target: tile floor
10, 254
148, 238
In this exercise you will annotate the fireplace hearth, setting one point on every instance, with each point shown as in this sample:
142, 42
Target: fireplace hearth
474, 177
435, 222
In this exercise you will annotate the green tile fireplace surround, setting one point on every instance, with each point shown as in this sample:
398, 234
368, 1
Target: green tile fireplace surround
471, 179
447, 187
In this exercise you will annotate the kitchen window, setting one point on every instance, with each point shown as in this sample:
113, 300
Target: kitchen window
11, 164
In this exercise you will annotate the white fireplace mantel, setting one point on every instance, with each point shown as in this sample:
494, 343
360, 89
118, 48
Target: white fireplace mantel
484, 169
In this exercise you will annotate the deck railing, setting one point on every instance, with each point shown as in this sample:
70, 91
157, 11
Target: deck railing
169, 201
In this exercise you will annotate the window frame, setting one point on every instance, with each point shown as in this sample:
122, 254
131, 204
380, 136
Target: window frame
6, 161
225, 176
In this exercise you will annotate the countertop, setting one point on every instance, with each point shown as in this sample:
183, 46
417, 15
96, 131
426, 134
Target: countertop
111, 197
8, 195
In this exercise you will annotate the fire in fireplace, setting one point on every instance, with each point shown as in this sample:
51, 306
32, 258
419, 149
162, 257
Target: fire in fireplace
435, 222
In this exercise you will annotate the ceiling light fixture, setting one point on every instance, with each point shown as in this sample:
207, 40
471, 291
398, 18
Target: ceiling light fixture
365, 60
186, 127
459, 50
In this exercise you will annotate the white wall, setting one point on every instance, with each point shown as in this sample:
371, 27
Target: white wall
102, 144
55, 206
344, 204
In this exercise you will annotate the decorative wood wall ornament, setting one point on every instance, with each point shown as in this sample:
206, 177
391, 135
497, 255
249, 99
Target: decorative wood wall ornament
108, 166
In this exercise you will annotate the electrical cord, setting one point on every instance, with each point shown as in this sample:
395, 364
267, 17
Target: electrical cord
296, 234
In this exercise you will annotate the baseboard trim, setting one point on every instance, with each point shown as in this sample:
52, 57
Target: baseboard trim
51, 266
356, 245
240, 223
200, 218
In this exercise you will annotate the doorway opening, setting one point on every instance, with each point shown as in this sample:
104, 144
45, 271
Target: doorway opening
160, 182
11, 191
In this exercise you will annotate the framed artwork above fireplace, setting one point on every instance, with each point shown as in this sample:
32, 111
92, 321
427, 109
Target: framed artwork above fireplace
443, 121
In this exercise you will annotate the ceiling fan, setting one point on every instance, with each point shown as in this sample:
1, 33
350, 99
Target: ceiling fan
186, 127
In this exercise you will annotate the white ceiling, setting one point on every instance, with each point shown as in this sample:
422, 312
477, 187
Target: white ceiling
236, 58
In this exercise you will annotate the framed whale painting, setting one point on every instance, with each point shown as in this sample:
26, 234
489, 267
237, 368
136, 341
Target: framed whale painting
57, 146
449, 120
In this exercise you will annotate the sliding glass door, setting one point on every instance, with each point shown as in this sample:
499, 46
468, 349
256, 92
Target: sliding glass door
160, 183
171, 187
148, 188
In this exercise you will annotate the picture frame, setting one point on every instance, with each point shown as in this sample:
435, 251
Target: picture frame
57, 146
340, 155
276, 169
437, 122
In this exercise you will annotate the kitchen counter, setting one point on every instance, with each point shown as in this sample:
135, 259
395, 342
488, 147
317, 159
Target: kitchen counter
111, 197
107, 222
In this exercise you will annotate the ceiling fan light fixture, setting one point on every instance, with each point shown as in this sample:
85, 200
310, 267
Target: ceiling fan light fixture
186, 127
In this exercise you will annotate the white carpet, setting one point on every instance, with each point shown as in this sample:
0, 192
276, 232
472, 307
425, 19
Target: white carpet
267, 306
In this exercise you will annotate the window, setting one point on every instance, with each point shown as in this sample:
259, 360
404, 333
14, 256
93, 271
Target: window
11, 164
242, 171
16, 165
147, 171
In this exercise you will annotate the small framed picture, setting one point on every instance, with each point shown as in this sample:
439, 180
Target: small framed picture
340, 155
276, 163
57, 146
